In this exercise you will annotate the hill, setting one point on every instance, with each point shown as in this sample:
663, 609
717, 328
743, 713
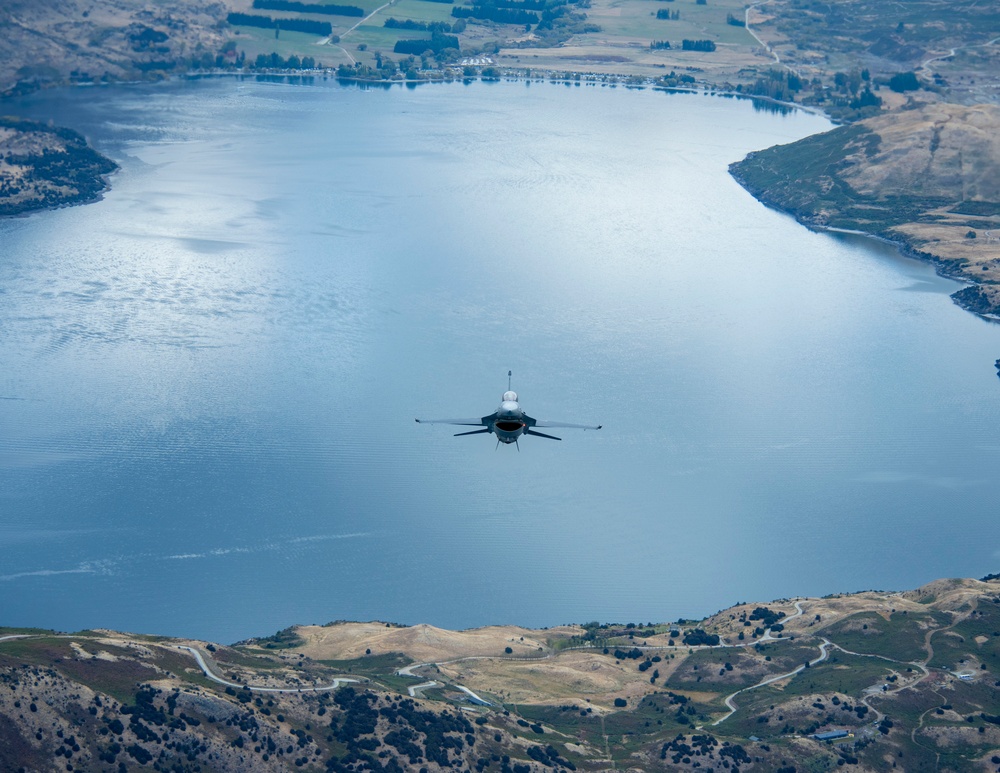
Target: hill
46, 42
909, 679
927, 176
43, 166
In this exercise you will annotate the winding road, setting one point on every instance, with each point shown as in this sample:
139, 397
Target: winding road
200, 660
824, 652
746, 26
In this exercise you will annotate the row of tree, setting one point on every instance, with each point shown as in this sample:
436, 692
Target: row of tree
697, 45
411, 24
496, 14
436, 43
294, 25
297, 7
277, 62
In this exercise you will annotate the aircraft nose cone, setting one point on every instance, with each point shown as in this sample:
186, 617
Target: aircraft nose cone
510, 408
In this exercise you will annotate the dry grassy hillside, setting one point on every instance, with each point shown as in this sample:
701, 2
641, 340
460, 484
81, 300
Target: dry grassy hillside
58, 40
928, 176
912, 676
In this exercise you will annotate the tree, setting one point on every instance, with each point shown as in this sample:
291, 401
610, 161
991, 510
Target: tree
904, 81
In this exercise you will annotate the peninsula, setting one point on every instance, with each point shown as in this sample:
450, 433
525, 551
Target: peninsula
867, 680
43, 166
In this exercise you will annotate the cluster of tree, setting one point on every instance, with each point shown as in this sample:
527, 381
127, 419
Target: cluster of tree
411, 24
283, 639
560, 22
904, 81
659, 45
768, 617
549, 757
736, 21
436, 43
524, 5
147, 39
700, 745
851, 96
666, 13
496, 14
275, 61
633, 654
672, 79
441, 732
73, 173
866, 99
775, 84
292, 5
294, 25
697, 45
849, 82
227, 59
696, 637
162, 65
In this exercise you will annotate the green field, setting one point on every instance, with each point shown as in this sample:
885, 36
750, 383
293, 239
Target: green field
901, 637
254, 40
370, 665
636, 20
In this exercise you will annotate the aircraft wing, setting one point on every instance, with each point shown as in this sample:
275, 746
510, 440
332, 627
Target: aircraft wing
483, 422
541, 423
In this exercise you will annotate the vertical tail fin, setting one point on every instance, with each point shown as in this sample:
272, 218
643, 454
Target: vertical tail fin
508, 380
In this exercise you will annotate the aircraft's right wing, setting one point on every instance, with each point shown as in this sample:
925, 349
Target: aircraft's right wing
564, 424
462, 422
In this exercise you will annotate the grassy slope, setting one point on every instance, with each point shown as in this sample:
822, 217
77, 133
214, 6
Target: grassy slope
923, 177
873, 684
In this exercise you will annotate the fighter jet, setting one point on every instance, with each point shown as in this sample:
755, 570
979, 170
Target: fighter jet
508, 422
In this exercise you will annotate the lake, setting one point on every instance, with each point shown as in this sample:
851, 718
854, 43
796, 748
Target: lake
209, 378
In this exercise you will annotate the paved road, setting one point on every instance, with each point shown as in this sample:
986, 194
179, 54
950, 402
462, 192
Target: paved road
746, 25
419, 688
824, 652
200, 660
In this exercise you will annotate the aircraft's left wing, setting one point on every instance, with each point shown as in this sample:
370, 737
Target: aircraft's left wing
461, 422
540, 423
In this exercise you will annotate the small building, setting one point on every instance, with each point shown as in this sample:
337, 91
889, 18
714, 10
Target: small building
830, 735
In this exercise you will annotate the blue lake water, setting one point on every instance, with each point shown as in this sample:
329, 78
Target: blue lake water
209, 378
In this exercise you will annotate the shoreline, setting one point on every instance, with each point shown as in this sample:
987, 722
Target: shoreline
45, 167
943, 267
972, 297
298, 76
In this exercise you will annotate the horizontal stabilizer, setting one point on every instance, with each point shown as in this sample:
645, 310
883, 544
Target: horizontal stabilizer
541, 434
474, 432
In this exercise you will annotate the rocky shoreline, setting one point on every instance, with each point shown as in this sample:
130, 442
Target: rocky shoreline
44, 167
922, 178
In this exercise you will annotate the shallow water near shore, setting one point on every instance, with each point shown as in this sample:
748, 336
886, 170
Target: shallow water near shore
209, 378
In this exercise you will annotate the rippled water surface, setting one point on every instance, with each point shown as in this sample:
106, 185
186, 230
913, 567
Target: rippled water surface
209, 378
